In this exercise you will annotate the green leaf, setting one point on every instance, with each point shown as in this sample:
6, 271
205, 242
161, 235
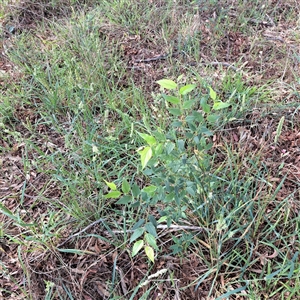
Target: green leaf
137, 233
191, 191
138, 224
152, 219
169, 222
198, 116
188, 104
169, 197
75, 251
220, 105
204, 105
113, 194
278, 130
125, 200
186, 89
181, 145
176, 123
111, 185
175, 111
138, 245
159, 135
150, 228
159, 149
149, 189
150, 239
150, 253
125, 186
212, 94
292, 268
179, 77
272, 275
136, 191
171, 99
162, 219
167, 84
204, 130
213, 118
7, 212
146, 155
234, 292
148, 138
190, 119
169, 147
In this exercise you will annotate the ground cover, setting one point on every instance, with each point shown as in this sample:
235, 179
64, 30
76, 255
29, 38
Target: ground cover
115, 184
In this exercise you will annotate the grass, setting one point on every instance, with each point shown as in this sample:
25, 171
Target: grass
76, 88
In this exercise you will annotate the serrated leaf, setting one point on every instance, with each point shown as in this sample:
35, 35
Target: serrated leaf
167, 84
111, 185
150, 228
212, 94
186, 89
113, 195
175, 111
171, 99
137, 233
150, 239
125, 200
125, 186
188, 104
138, 245
146, 155
150, 253
220, 105
148, 138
